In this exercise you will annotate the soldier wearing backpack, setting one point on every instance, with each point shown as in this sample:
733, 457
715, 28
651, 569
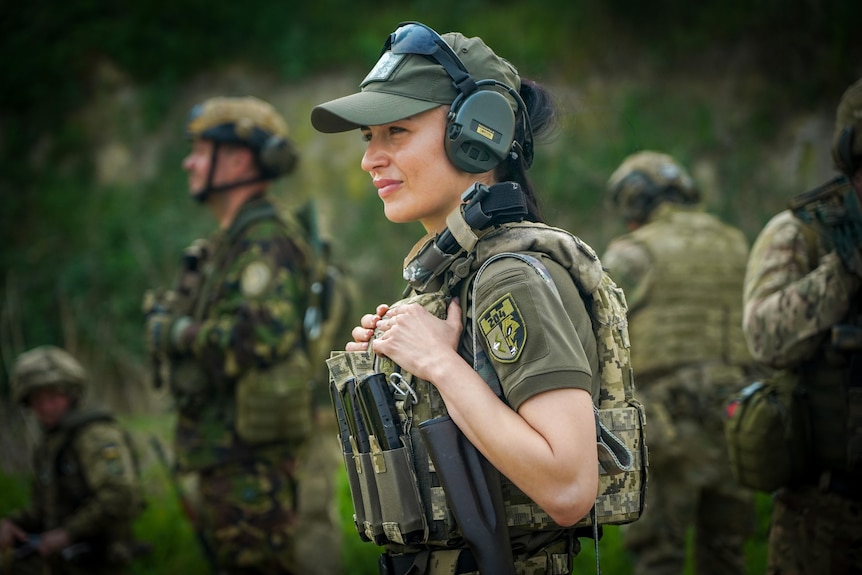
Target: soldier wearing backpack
86, 493
231, 340
682, 271
495, 334
803, 316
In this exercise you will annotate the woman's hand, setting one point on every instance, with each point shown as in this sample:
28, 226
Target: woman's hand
418, 341
363, 332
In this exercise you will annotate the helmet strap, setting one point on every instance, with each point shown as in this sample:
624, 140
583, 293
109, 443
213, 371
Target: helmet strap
209, 189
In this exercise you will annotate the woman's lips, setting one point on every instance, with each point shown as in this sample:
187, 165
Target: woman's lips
386, 187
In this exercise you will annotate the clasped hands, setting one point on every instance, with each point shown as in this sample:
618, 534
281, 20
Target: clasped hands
409, 335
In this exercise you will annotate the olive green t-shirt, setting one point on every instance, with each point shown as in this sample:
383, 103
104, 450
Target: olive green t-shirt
535, 331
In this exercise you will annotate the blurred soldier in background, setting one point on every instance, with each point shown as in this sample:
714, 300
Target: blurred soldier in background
86, 492
802, 314
230, 342
682, 272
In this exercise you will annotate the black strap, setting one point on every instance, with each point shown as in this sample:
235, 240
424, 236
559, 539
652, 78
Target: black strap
500, 204
410, 564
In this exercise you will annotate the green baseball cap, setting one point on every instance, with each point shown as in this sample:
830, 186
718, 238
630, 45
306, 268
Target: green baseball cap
404, 84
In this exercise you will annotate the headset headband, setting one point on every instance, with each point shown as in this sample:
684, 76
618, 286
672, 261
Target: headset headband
417, 38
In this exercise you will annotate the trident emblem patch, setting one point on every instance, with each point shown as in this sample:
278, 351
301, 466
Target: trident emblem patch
504, 329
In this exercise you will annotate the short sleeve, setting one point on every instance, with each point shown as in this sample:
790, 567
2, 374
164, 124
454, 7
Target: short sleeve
534, 328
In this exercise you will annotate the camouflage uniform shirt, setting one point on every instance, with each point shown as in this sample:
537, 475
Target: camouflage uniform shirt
795, 291
86, 483
248, 315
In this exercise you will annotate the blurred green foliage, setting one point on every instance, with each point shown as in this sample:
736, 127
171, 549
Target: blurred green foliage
77, 255
711, 82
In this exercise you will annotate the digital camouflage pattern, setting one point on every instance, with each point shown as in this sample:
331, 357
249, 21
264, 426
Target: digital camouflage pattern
796, 289
85, 482
542, 547
598, 309
682, 272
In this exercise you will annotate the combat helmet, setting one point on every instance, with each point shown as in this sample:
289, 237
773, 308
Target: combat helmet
847, 140
646, 179
245, 121
47, 366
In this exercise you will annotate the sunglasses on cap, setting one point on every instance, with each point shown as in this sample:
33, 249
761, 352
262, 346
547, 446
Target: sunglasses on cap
417, 38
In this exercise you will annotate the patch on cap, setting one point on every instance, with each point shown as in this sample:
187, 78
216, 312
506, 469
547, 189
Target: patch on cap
384, 68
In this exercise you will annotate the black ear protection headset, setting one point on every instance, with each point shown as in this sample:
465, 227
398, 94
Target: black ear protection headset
275, 155
481, 129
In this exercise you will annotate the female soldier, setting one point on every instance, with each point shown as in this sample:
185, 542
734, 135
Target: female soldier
439, 115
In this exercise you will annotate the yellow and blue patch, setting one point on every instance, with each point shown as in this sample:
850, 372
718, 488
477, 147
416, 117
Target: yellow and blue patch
503, 328
113, 459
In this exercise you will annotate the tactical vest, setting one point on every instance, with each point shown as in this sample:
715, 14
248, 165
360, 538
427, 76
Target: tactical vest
411, 509
693, 310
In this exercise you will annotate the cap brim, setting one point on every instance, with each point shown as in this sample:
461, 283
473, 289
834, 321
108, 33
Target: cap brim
365, 109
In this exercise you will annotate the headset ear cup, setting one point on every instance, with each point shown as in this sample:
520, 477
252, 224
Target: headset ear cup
278, 156
480, 131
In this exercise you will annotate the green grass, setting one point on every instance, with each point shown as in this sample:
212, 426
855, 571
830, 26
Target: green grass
163, 525
13, 493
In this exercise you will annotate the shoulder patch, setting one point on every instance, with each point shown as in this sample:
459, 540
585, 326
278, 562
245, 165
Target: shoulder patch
110, 451
503, 328
112, 458
255, 278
